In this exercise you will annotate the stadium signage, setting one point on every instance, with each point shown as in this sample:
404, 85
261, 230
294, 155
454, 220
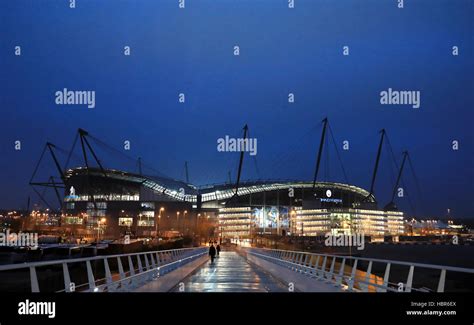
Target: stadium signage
331, 200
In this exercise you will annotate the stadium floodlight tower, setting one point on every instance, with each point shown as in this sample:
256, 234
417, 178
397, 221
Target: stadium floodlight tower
234, 197
391, 206
367, 203
51, 183
320, 152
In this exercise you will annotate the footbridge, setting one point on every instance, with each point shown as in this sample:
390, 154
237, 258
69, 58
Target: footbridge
235, 270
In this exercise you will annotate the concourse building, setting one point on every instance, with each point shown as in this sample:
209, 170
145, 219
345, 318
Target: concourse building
115, 203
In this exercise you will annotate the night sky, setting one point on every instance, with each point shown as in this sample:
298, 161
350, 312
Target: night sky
281, 51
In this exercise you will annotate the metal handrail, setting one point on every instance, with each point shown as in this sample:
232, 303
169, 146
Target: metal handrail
156, 272
81, 259
166, 261
422, 265
294, 260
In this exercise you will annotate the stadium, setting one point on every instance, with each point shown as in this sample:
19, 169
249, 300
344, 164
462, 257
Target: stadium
113, 203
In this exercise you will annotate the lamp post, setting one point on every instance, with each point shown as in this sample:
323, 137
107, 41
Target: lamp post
99, 221
184, 219
158, 223
196, 228
177, 218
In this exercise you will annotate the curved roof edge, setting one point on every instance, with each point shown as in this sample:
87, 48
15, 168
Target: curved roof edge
172, 188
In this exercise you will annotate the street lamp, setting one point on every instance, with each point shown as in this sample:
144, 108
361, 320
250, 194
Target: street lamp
99, 221
157, 229
177, 218
196, 232
184, 219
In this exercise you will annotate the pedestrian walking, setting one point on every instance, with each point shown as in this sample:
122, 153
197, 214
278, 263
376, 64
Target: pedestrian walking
212, 253
218, 249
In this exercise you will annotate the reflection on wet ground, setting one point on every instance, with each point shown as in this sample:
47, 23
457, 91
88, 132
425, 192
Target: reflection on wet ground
231, 273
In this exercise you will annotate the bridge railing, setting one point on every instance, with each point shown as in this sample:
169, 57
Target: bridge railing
347, 273
102, 273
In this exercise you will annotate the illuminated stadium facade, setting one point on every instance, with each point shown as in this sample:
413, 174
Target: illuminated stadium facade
132, 202
118, 202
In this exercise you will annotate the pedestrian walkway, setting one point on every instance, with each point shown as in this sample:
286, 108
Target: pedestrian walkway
230, 273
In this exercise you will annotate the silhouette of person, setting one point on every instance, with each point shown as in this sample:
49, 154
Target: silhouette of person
218, 249
212, 253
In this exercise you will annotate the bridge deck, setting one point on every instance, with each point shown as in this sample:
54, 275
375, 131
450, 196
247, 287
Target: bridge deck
231, 273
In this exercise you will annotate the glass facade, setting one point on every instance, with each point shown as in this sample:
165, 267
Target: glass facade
235, 222
349, 221
245, 221
125, 222
95, 213
146, 219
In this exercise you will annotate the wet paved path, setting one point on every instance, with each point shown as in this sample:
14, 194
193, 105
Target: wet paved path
231, 273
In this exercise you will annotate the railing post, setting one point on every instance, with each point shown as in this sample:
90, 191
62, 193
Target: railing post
305, 263
442, 279
139, 262
108, 276
34, 280
322, 272
132, 271
316, 266
131, 266
120, 268
282, 259
353, 275
147, 264
341, 272
296, 261
300, 262
385, 279
90, 276
161, 258
331, 270
410, 279
290, 257
367, 278
67, 278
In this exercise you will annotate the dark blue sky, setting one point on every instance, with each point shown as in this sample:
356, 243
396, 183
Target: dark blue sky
282, 51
